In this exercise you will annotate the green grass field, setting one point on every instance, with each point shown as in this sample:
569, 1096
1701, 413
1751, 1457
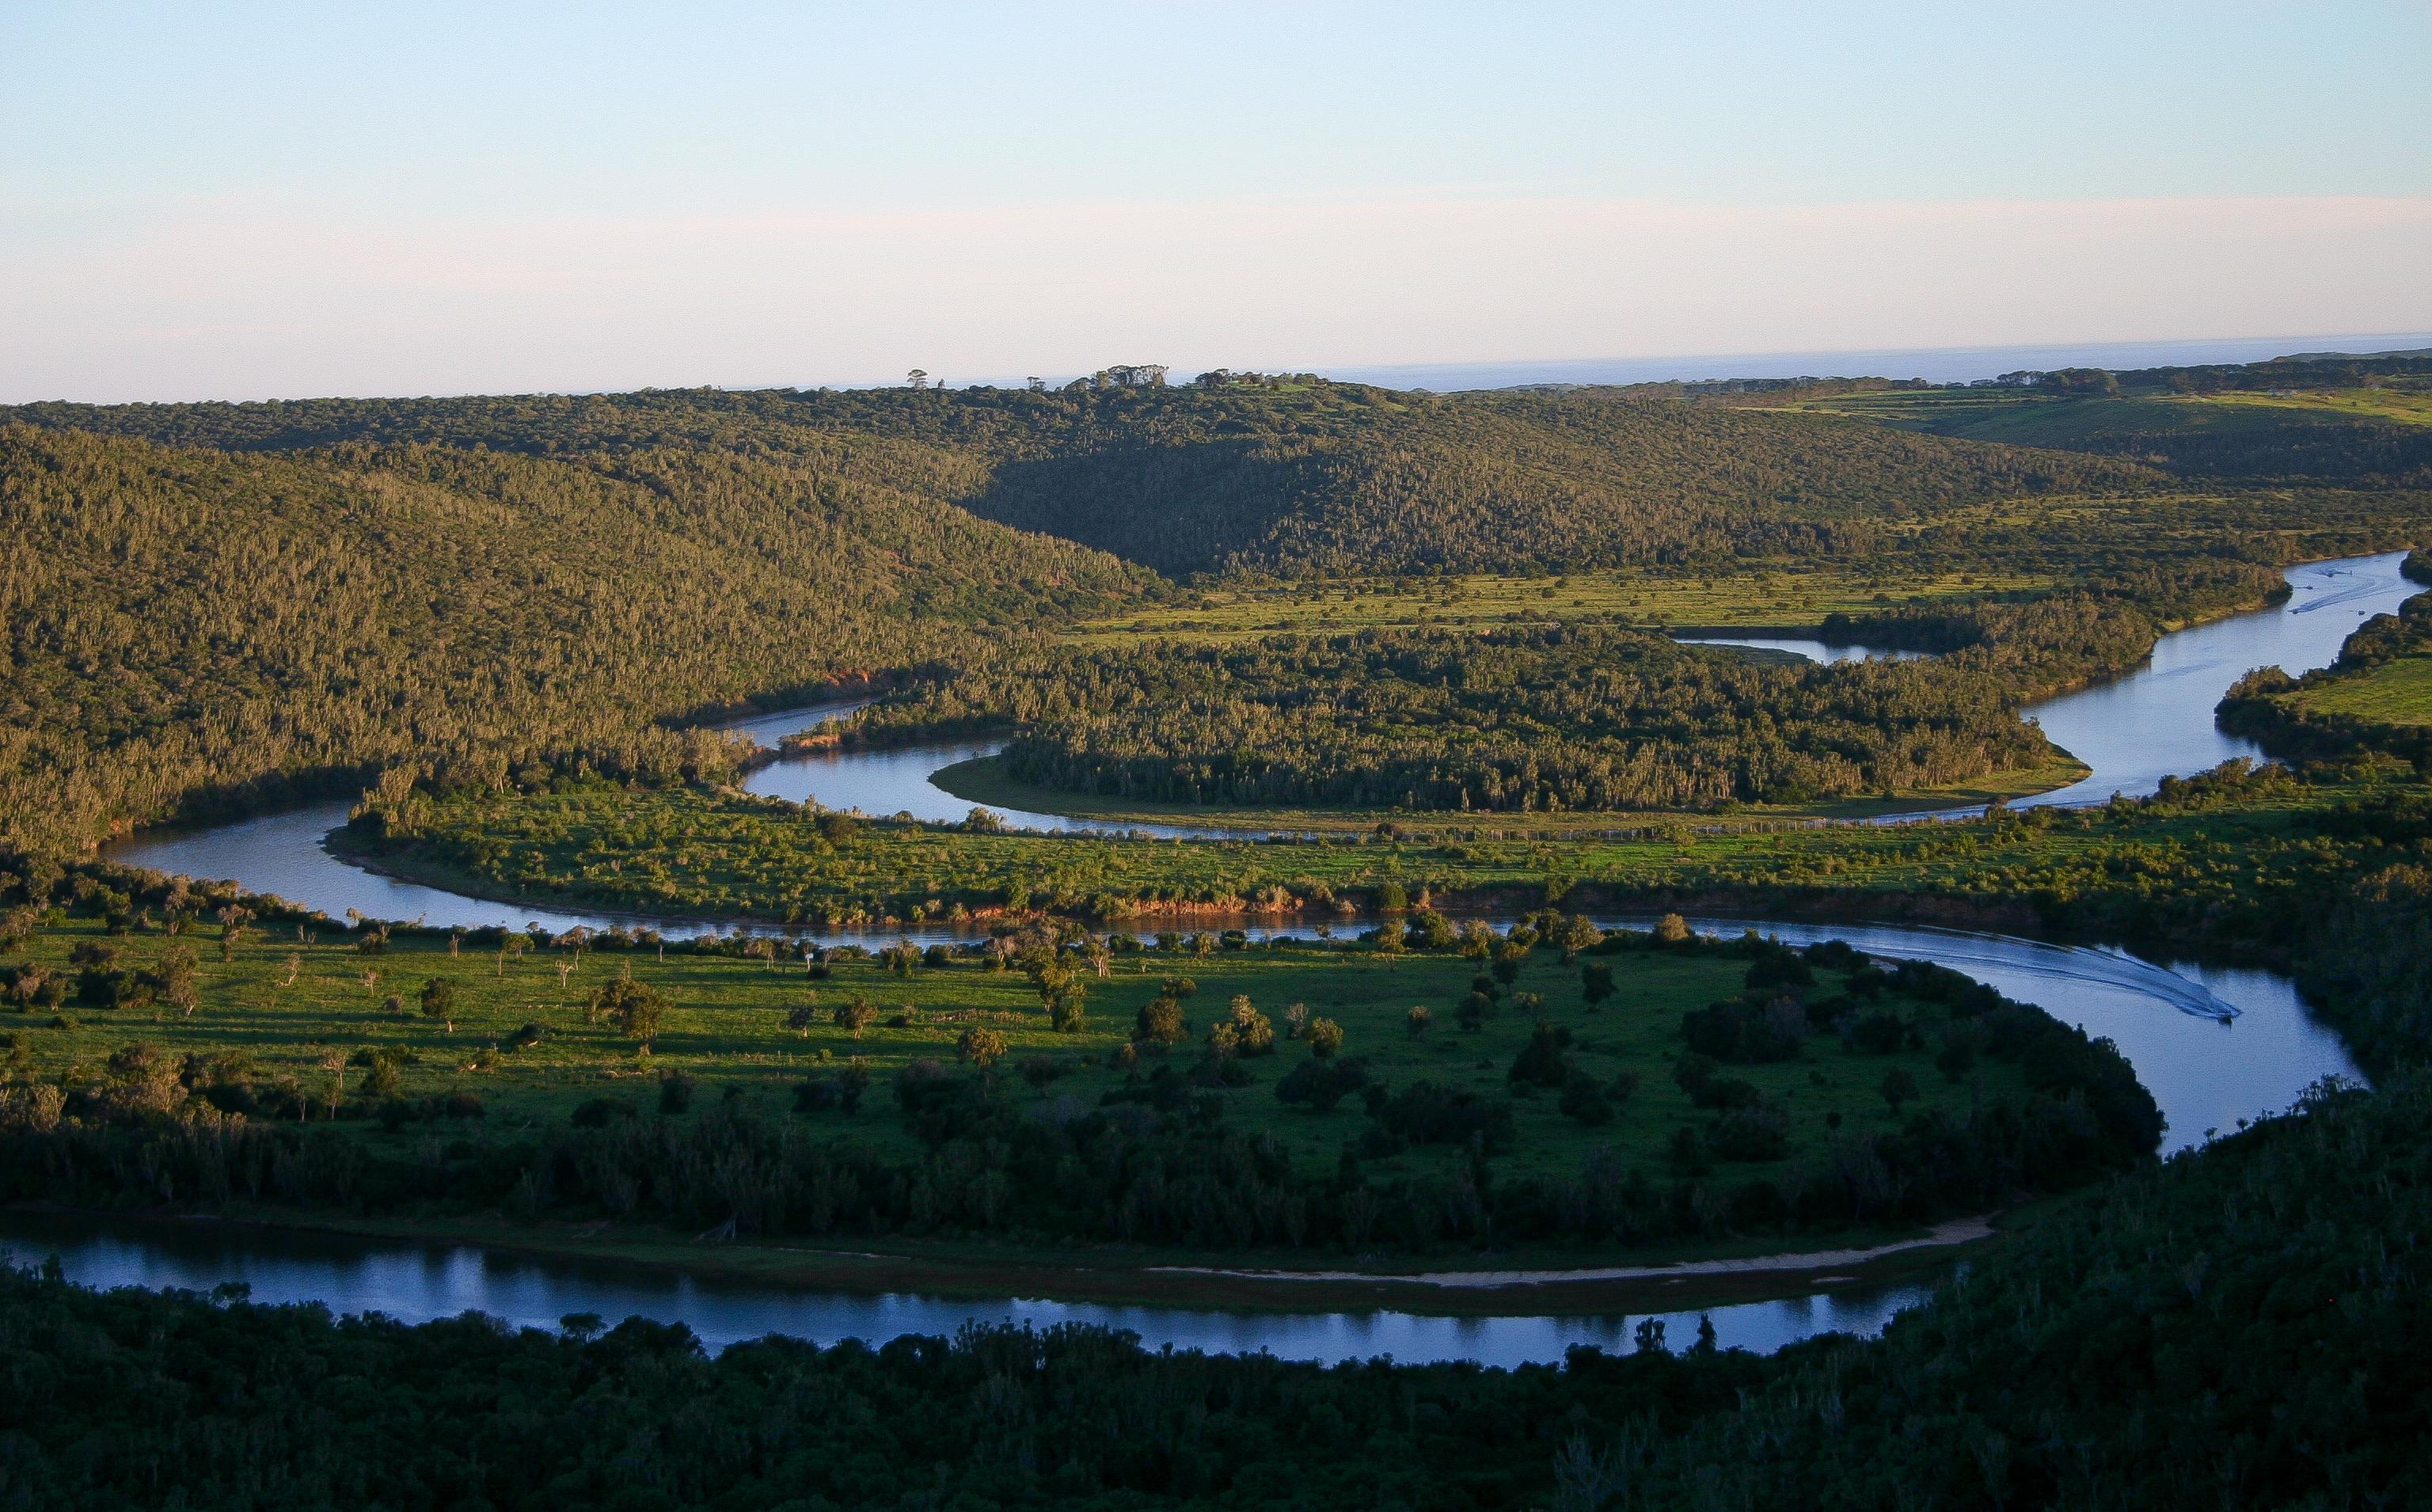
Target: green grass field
2034, 418
1751, 600
308, 1013
2398, 692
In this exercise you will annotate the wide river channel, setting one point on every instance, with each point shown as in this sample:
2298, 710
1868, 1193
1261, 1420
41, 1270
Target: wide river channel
2215, 1045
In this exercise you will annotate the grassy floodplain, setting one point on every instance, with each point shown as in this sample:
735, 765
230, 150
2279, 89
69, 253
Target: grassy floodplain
690, 850
522, 1040
1793, 595
2397, 691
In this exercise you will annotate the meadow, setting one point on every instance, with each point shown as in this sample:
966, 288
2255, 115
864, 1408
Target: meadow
2397, 691
1735, 597
327, 1027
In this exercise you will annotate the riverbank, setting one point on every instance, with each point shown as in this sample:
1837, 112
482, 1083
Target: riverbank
1700, 1277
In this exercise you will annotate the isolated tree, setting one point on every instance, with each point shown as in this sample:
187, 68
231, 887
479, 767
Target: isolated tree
1579, 933
854, 1017
981, 1046
1067, 1009
176, 980
634, 1008
383, 1078
439, 1002
1325, 1038
1542, 1060
233, 919
1255, 1031
1595, 983
1160, 1021
334, 1062
1672, 930
1419, 1020
1897, 1086
801, 1016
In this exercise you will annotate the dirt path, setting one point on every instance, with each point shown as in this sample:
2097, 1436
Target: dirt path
1957, 1231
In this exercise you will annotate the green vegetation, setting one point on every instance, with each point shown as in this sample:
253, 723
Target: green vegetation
984, 782
2351, 422
2240, 1326
1524, 720
1549, 720
1747, 598
226, 604
499, 610
1580, 1087
195, 631
2398, 692
1297, 475
2375, 696
2245, 864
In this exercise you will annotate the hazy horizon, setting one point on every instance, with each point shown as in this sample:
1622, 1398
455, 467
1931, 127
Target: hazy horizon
1937, 364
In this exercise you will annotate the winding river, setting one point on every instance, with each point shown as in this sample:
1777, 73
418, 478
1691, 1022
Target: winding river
2215, 1045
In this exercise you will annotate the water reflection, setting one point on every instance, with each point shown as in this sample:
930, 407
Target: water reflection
417, 1282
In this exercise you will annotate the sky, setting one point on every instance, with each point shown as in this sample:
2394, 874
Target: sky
247, 201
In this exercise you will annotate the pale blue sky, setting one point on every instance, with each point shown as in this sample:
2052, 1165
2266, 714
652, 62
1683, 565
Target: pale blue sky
260, 199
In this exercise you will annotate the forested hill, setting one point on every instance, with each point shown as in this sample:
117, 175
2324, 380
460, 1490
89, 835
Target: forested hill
1292, 475
187, 625
2344, 422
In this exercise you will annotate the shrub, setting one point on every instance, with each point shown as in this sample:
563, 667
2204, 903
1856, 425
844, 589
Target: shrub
1427, 1113
633, 1007
980, 1046
601, 1112
1879, 1034
1585, 1098
1541, 1062
1757, 1132
1160, 1021
1322, 1083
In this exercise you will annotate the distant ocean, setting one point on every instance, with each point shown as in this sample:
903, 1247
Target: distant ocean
1939, 364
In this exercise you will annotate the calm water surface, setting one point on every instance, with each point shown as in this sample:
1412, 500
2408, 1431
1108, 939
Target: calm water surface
416, 1282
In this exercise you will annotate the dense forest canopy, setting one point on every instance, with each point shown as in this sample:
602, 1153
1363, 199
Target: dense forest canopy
1308, 476
187, 625
1582, 718
1571, 717
223, 602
